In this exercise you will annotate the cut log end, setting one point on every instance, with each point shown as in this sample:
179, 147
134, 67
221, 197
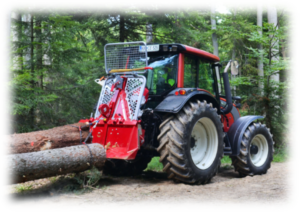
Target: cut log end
58, 137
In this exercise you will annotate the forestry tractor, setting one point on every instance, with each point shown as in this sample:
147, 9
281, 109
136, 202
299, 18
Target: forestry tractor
172, 101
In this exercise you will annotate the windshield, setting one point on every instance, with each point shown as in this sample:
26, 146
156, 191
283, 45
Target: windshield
163, 76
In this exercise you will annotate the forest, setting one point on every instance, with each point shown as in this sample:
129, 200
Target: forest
56, 56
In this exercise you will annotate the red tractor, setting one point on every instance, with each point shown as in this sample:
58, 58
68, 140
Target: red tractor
166, 100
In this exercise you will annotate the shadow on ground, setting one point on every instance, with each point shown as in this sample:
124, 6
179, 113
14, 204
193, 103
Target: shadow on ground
67, 184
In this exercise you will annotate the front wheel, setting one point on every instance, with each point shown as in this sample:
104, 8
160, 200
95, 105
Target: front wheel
256, 151
191, 143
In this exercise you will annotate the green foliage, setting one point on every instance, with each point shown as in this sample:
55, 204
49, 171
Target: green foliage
154, 165
226, 160
280, 154
23, 188
271, 101
78, 183
55, 65
88, 178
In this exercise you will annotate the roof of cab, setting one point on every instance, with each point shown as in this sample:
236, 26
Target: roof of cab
191, 50
201, 53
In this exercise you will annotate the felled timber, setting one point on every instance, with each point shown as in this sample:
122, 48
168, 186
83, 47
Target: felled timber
36, 165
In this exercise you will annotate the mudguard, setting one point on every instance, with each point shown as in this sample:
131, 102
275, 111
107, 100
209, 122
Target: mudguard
237, 130
173, 103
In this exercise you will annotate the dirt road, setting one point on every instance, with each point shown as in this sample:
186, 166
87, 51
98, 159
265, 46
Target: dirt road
153, 186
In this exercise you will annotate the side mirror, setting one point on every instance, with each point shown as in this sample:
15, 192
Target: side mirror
234, 68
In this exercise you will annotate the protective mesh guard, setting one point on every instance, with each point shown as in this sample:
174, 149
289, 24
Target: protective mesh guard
134, 92
105, 95
125, 56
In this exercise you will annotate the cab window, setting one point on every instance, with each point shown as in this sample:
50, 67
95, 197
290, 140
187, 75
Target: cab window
163, 76
190, 71
205, 79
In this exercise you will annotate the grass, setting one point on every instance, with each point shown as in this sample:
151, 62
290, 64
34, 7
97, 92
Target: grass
53, 179
23, 187
280, 155
154, 165
225, 160
82, 182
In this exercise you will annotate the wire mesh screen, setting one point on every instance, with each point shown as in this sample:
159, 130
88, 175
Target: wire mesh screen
105, 95
125, 55
134, 92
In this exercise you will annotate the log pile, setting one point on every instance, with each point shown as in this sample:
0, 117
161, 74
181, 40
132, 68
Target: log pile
56, 151
57, 137
36, 165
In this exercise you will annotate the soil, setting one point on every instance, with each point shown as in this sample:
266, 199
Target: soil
151, 186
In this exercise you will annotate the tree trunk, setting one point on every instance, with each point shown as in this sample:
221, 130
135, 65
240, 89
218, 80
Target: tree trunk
260, 64
28, 63
122, 28
214, 35
16, 35
149, 33
272, 19
215, 41
46, 31
5, 34
36, 165
32, 73
57, 137
233, 56
39, 62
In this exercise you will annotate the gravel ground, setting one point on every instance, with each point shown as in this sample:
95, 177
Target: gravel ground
227, 186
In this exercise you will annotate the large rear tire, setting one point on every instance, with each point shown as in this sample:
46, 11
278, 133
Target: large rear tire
256, 151
191, 143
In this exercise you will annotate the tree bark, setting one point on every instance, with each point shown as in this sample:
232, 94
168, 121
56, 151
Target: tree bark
32, 72
214, 35
122, 28
57, 137
233, 54
36, 165
260, 64
215, 41
149, 33
39, 62
272, 19
5, 34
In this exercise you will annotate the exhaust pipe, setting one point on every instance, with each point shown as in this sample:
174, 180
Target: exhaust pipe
227, 91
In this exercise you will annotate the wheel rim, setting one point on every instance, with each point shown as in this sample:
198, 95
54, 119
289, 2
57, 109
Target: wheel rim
204, 143
260, 157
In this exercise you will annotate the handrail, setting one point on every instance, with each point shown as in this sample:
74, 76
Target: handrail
129, 70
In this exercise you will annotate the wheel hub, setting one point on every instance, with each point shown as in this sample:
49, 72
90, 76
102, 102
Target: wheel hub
259, 150
192, 142
204, 143
253, 149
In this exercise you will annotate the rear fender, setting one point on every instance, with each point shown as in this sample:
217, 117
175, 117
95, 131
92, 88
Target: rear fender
237, 130
173, 103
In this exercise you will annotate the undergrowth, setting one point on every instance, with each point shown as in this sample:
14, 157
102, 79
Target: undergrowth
23, 188
154, 165
84, 181
280, 154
